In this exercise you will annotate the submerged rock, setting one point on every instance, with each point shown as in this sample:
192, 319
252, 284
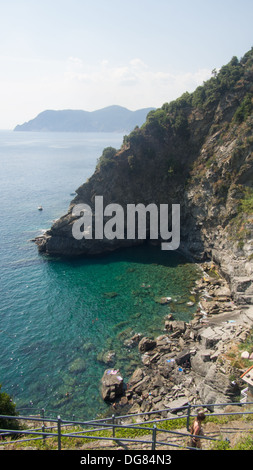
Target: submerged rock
78, 365
107, 357
133, 341
110, 295
163, 300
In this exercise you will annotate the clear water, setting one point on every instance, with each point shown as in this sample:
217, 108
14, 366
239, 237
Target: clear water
58, 317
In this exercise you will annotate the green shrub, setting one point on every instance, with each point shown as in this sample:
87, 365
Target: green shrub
245, 443
7, 408
107, 157
245, 109
221, 445
247, 202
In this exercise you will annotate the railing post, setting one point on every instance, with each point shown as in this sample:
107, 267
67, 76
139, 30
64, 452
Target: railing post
43, 424
59, 432
113, 428
154, 438
188, 416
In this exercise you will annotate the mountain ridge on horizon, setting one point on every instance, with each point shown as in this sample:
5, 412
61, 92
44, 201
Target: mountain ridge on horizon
109, 119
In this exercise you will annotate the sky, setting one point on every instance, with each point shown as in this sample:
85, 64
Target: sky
88, 54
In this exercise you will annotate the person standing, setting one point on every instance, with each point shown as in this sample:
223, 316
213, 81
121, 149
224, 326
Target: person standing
197, 430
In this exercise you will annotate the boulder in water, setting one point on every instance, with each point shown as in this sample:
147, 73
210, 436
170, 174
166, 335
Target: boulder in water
112, 385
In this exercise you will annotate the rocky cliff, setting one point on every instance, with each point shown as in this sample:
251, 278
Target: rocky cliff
196, 152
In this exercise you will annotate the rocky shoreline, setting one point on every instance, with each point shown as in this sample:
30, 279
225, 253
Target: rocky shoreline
188, 363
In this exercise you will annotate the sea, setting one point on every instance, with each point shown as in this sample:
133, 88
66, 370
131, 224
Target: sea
61, 319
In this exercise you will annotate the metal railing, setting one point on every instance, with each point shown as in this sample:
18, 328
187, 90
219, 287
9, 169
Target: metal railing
54, 427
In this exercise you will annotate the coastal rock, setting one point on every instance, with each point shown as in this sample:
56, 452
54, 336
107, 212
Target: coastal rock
209, 337
223, 293
136, 377
216, 386
149, 358
210, 396
176, 327
133, 341
146, 344
178, 404
112, 385
163, 300
141, 386
183, 357
163, 343
199, 365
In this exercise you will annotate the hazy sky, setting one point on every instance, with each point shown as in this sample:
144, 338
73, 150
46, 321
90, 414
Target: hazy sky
88, 54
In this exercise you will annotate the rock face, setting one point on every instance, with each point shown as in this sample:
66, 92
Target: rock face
196, 152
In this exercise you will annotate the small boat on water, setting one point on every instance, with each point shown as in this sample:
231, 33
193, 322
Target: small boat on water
40, 208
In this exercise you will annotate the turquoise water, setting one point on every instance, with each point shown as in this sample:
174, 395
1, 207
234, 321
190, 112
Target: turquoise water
58, 317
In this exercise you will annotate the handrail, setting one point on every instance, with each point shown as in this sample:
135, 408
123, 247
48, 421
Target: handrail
103, 424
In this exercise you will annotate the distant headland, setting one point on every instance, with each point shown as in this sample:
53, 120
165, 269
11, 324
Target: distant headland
109, 119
